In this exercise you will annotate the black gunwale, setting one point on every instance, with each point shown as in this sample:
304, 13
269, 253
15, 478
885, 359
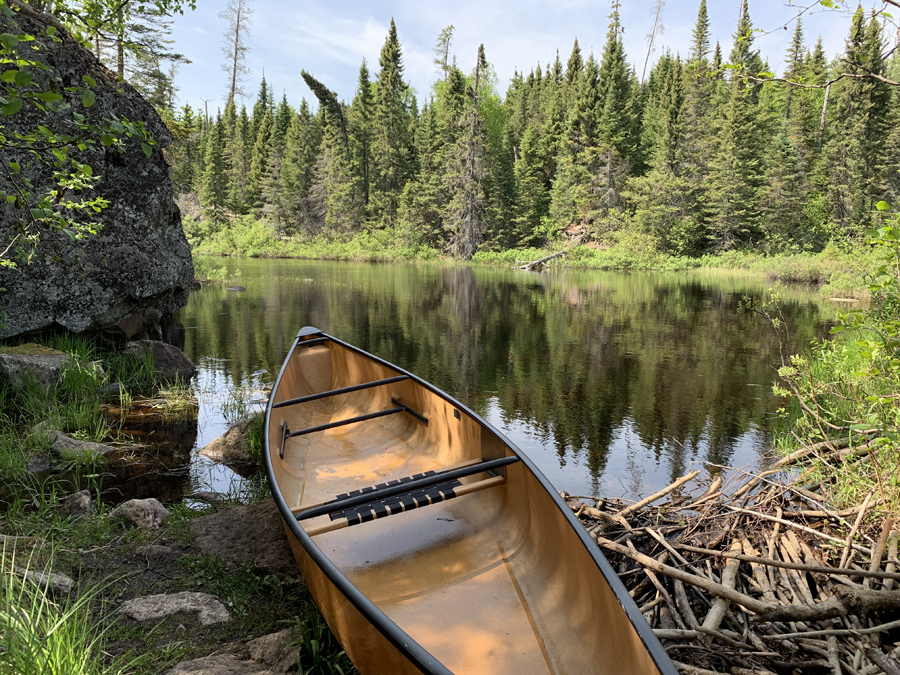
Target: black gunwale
417, 654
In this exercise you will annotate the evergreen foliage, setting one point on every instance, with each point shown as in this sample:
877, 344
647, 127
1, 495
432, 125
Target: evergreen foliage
706, 156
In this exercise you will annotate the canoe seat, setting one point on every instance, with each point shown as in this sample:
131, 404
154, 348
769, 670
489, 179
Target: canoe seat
403, 494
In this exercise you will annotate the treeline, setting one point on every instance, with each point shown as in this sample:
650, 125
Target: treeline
711, 153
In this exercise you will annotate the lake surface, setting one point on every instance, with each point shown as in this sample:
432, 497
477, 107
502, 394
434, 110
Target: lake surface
614, 384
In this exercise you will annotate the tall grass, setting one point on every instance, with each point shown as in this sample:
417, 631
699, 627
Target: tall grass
45, 635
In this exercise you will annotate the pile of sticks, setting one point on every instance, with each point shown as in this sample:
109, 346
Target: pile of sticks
763, 579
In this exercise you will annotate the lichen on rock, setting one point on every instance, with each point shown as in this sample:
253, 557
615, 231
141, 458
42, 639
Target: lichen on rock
137, 268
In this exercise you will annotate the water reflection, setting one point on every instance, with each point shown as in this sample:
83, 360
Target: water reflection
613, 383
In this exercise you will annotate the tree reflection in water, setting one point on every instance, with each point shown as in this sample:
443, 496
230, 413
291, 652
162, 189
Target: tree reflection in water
664, 368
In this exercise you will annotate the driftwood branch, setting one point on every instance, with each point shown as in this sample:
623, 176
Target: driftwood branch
537, 264
844, 602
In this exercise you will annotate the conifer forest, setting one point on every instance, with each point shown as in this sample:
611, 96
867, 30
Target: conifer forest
704, 152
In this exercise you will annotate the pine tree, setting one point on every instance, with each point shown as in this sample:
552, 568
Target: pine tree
390, 134
700, 38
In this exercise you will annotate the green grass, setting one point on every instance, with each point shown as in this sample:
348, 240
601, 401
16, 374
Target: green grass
45, 635
839, 270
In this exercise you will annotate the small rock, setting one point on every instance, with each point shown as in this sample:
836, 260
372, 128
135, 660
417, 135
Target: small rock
208, 496
43, 364
235, 288
168, 361
245, 535
68, 447
155, 551
52, 581
279, 650
209, 609
217, 664
233, 445
39, 464
79, 505
148, 513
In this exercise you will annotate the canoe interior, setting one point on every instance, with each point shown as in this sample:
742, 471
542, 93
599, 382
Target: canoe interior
491, 583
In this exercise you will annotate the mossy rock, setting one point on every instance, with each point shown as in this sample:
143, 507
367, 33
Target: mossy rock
31, 349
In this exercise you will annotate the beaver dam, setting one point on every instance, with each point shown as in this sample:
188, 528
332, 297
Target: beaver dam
759, 575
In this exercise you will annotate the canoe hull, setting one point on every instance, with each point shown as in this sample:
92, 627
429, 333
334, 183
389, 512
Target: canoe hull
503, 581
369, 650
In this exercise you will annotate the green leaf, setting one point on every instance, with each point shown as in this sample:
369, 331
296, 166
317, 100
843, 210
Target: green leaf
837, 329
882, 206
860, 427
89, 81
49, 96
14, 166
51, 31
767, 74
8, 76
23, 78
827, 3
87, 98
9, 41
11, 108
148, 150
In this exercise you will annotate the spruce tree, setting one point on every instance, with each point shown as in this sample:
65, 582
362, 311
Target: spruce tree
466, 175
390, 134
738, 170
212, 191
361, 130
856, 151
238, 164
298, 170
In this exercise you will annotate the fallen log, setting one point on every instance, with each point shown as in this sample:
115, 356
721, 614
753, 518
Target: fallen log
534, 264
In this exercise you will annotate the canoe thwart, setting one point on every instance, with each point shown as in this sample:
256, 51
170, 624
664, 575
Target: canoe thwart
401, 486
407, 409
415, 499
287, 433
337, 392
311, 342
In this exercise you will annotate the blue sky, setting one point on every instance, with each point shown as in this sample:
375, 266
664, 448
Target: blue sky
330, 39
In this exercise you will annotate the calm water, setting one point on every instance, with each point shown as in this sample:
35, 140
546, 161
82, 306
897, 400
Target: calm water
615, 384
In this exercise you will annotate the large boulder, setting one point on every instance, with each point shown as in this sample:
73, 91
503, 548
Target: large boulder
137, 268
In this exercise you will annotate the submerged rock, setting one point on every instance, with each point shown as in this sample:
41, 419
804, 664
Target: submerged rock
234, 444
209, 609
43, 365
169, 362
137, 268
147, 513
245, 535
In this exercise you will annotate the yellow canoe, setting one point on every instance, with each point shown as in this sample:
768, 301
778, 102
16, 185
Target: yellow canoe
429, 542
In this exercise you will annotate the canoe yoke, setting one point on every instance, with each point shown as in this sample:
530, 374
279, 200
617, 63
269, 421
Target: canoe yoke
403, 494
